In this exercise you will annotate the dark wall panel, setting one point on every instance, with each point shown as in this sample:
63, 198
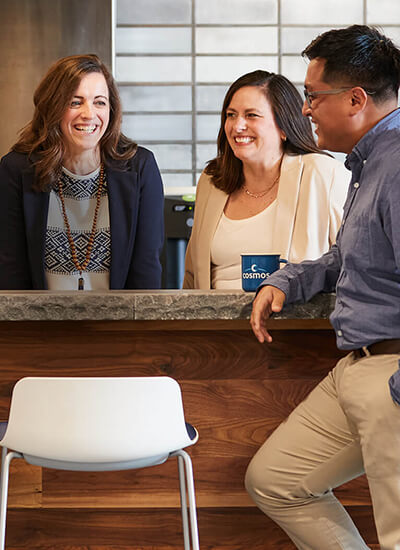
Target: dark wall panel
33, 34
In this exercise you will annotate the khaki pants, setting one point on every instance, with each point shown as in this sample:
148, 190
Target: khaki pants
347, 425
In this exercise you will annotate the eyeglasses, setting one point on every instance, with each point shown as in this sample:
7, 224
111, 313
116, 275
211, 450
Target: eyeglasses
311, 95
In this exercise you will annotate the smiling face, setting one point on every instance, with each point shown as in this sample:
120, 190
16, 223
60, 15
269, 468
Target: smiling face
251, 129
87, 115
329, 113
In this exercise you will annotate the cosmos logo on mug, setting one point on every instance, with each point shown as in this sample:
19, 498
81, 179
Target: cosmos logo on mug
257, 267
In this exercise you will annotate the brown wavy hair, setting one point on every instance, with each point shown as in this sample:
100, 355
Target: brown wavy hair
226, 170
42, 139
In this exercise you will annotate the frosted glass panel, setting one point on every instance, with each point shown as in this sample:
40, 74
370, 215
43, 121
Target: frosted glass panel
236, 11
207, 127
178, 180
173, 156
326, 12
393, 33
156, 98
295, 39
228, 69
158, 127
294, 68
153, 40
156, 56
210, 98
383, 11
237, 40
153, 69
205, 152
300, 89
341, 157
137, 12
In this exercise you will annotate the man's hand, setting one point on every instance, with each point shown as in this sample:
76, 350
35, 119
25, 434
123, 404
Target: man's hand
269, 300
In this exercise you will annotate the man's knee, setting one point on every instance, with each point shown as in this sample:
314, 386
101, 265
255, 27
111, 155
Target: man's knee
264, 483
273, 487
252, 479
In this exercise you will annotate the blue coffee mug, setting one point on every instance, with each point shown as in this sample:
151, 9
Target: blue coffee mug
257, 267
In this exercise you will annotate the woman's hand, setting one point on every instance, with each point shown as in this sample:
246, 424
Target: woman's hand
268, 300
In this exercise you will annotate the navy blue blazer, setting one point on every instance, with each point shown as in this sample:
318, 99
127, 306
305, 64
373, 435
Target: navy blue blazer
136, 223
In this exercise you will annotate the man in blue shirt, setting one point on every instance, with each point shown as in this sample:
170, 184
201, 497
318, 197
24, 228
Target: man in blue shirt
350, 423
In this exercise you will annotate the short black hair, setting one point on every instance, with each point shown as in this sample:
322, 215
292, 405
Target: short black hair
359, 55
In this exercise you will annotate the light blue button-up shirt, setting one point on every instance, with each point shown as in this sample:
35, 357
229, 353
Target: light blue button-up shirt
363, 267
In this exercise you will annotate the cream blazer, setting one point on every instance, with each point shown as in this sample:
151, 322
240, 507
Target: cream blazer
311, 194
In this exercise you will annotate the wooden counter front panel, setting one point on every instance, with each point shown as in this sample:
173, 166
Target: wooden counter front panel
235, 390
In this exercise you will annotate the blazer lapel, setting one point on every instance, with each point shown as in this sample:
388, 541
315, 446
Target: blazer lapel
123, 207
287, 199
212, 212
36, 207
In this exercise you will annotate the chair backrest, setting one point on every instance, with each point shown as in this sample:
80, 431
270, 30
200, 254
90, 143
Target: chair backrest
96, 419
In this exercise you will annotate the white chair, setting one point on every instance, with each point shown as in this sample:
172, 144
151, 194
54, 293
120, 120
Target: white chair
99, 424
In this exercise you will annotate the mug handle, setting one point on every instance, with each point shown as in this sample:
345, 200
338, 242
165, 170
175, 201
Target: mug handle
282, 261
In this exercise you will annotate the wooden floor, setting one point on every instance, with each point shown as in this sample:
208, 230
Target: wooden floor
235, 392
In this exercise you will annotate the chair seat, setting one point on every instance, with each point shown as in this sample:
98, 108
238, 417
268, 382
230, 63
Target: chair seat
3, 429
191, 430
96, 466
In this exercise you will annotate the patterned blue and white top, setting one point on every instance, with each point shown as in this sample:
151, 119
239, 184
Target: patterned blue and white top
80, 201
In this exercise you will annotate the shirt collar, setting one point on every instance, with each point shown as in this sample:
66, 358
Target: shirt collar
366, 144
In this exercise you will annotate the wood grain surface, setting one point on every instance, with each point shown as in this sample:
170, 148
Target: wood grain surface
221, 528
235, 391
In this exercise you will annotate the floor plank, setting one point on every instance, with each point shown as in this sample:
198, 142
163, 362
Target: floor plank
223, 529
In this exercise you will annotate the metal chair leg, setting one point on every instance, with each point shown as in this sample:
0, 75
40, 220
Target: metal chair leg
191, 496
5, 470
4, 452
184, 510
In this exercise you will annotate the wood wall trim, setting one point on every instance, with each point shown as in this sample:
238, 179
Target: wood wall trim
181, 325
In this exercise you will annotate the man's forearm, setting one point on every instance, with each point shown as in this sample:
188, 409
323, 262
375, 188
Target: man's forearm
300, 282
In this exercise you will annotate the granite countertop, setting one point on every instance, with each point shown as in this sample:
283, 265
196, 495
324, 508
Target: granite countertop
142, 305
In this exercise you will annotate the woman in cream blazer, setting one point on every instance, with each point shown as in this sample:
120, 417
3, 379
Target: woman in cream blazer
270, 172
311, 194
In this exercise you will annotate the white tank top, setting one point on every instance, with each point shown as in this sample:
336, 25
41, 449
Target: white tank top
235, 237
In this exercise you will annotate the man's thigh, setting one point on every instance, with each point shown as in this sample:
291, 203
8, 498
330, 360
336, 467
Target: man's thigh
364, 395
313, 450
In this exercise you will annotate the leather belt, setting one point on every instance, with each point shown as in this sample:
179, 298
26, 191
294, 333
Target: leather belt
379, 348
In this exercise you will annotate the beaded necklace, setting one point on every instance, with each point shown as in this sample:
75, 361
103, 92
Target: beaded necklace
83, 266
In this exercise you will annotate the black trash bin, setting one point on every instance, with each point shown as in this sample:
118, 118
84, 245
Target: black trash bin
178, 219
